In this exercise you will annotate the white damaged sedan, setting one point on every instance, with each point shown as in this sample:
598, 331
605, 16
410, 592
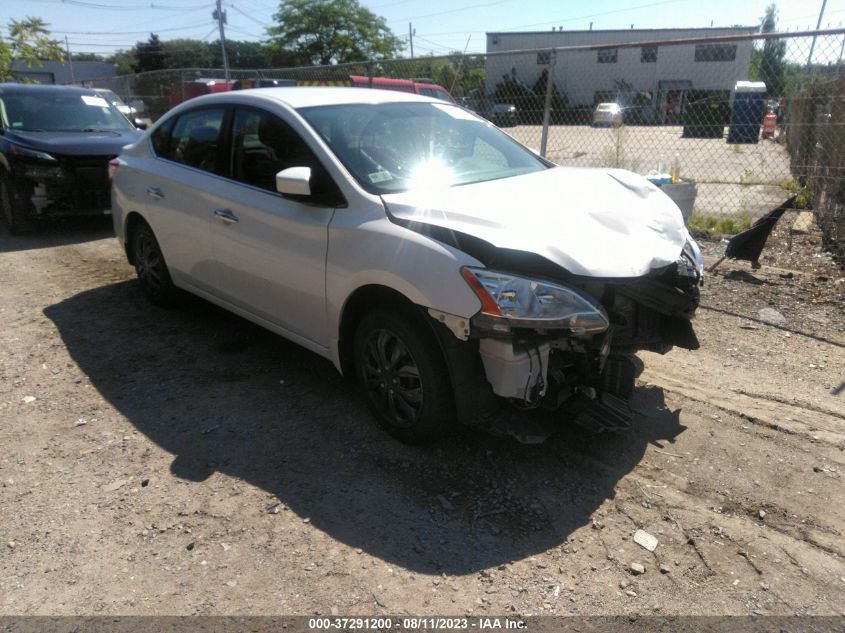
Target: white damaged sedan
414, 244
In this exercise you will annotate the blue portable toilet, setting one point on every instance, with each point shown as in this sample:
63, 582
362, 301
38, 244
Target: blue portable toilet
748, 110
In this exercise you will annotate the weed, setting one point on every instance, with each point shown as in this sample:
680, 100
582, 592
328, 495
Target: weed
804, 199
718, 226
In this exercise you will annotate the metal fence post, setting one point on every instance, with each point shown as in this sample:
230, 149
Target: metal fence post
370, 74
547, 106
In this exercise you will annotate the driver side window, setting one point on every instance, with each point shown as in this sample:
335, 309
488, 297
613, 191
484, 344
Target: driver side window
263, 145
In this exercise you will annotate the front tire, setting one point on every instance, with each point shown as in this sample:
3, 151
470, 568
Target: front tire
152, 268
18, 212
401, 369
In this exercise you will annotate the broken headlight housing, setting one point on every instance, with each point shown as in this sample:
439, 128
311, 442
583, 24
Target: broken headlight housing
35, 164
691, 264
534, 303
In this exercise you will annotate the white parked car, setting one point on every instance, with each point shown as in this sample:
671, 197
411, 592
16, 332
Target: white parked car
415, 245
608, 114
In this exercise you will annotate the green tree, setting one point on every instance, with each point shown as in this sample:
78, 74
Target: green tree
87, 57
242, 54
187, 53
151, 55
125, 61
332, 32
768, 64
559, 101
29, 41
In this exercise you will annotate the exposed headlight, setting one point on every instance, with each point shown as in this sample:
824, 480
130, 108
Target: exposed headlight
691, 263
524, 302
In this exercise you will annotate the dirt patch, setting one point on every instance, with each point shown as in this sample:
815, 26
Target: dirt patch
185, 461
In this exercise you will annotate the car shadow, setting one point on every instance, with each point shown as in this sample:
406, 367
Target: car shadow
58, 232
221, 394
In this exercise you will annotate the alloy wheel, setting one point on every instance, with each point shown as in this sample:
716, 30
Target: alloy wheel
392, 378
149, 263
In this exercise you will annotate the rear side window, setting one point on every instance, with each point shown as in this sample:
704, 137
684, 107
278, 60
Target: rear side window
161, 138
195, 139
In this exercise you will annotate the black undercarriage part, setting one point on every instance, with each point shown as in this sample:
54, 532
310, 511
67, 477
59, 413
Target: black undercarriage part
605, 412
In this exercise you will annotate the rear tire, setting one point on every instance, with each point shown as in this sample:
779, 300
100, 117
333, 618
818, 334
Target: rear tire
18, 212
404, 376
152, 268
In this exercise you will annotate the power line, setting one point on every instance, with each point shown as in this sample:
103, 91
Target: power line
593, 15
555, 21
175, 28
249, 17
112, 7
243, 32
472, 6
442, 46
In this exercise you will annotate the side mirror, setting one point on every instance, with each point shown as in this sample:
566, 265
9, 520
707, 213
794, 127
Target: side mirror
140, 124
294, 181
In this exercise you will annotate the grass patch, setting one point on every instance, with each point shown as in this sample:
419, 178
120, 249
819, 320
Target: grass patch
804, 199
718, 226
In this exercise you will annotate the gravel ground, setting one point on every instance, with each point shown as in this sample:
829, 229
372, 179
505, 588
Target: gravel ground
185, 461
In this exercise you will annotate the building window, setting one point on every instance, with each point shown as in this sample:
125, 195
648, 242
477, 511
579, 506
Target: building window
715, 52
543, 58
607, 55
648, 54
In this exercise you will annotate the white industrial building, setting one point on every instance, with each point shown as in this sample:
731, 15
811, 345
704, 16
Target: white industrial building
661, 76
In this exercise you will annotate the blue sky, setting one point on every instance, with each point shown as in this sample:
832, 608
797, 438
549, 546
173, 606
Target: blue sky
441, 25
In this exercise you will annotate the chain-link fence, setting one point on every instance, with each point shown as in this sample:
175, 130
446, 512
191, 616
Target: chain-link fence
693, 109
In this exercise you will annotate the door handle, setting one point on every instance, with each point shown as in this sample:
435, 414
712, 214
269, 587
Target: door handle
225, 215
155, 192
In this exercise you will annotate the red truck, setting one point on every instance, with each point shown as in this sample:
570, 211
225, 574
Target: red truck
197, 87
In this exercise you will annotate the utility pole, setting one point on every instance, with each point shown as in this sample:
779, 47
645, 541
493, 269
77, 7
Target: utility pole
813, 44
220, 15
69, 61
411, 38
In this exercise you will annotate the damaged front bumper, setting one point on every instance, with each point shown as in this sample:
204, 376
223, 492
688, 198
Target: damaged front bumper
590, 370
67, 186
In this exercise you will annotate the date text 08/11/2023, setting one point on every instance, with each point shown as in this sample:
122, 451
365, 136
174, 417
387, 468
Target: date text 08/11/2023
415, 623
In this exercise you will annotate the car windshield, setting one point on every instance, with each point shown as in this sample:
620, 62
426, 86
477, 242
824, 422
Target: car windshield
60, 112
395, 147
110, 96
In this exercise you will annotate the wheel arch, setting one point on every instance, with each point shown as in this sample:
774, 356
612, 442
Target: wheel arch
472, 393
133, 221
362, 300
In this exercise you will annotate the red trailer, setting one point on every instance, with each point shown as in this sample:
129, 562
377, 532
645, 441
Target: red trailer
198, 87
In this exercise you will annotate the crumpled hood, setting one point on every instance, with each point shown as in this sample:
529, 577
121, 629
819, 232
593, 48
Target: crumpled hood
76, 143
607, 223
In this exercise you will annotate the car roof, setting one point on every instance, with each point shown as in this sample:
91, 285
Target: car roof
40, 89
306, 96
